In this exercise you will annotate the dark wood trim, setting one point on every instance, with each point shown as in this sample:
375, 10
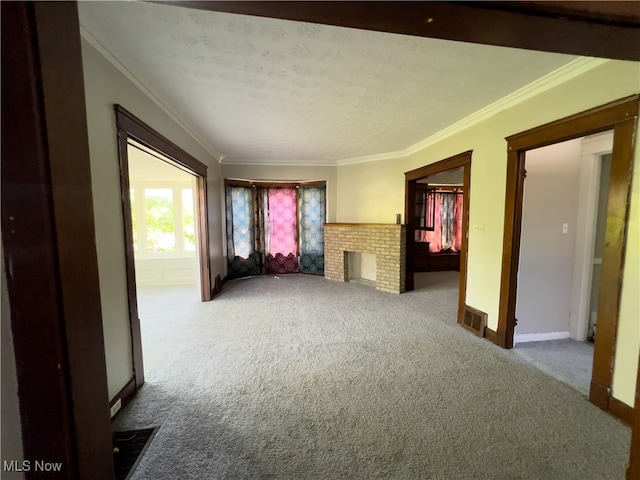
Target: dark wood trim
132, 294
633, 472
615, 241
457, 161
491, 335
48, 240
125, 395
621, 410
449, 163
611, 33
621, 116
237, 182
599, 395
143, 133
131, 127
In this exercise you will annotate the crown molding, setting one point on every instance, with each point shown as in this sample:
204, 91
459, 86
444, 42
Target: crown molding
563, 74
226, 161
111, 58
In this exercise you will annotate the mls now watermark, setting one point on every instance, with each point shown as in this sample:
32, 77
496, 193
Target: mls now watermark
31, 466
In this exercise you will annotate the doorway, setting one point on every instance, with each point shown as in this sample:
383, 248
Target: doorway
563, 220
170, 233
619, 116
432, 251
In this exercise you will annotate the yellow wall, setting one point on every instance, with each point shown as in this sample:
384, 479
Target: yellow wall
374, 192
104, 87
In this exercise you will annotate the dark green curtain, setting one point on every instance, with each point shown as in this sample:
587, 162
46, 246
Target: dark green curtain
312, 212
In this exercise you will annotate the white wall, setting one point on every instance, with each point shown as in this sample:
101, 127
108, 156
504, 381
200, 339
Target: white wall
374, 192
11, 440
546, 253
105, 86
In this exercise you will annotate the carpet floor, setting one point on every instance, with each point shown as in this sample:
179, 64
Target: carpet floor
299, 377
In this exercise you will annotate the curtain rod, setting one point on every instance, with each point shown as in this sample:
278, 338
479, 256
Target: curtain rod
241, 182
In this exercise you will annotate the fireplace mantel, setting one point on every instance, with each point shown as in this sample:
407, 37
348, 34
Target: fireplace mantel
386, 241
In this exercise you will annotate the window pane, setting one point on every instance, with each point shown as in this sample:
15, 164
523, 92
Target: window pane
134, 223
188, 223
159, 215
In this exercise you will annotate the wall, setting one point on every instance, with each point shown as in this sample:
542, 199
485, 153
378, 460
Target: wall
289, 173
374, 192
11, 440
104, 87
545, 272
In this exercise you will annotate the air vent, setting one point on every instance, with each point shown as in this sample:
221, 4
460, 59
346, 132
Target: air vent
474, 320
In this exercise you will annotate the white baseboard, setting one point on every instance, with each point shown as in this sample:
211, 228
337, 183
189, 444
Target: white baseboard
539, 337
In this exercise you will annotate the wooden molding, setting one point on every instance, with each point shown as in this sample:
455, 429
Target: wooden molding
621, 410
574, 29
599, 395
621, 116
48, 238
491, 335
456, 161
143, 133
239, 182
461, 160
131, 127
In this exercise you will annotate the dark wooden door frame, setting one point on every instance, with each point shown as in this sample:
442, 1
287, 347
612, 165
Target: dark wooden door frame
48, 239
608, 31
131, 127
461, 160
621, 117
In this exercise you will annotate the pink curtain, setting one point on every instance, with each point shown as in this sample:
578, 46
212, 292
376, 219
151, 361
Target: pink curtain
282, 221
435, 238
457, 229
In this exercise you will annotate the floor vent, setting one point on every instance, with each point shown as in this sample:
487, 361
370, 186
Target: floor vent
474, 320
128, 449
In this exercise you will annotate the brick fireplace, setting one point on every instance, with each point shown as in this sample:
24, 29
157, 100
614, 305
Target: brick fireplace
386, 241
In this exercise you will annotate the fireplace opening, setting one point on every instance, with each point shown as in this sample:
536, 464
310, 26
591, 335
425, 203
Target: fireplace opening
362, 268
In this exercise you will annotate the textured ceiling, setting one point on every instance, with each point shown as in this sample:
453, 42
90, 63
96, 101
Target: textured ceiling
261, 90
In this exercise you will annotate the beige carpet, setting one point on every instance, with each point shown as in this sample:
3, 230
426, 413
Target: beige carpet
304, 378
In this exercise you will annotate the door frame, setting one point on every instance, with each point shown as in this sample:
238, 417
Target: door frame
131, 127
587, 221
411, 178
49, 245
621, 117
